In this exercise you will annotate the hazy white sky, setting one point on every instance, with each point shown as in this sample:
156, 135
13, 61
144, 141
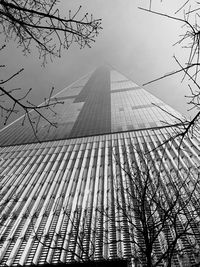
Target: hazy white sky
137, 43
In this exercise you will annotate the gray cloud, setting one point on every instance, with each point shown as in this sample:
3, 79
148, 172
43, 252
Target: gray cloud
136, 43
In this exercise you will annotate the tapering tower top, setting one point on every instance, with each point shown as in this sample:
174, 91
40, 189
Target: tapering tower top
101, 102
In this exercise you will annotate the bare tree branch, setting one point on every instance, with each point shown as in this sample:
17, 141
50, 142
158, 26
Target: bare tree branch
20, 104
40, 23
155, 209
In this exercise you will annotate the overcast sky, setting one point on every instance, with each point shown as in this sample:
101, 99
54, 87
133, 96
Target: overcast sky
138, 44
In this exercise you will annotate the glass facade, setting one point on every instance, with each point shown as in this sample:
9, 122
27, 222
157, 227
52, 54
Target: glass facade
76, 199
57, 194
102, 102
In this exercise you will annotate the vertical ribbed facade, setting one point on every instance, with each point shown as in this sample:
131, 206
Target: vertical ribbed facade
72, 197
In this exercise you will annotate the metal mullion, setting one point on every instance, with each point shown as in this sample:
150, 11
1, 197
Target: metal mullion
50, 255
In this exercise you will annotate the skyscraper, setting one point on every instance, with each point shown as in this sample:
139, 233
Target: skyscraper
73, 193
